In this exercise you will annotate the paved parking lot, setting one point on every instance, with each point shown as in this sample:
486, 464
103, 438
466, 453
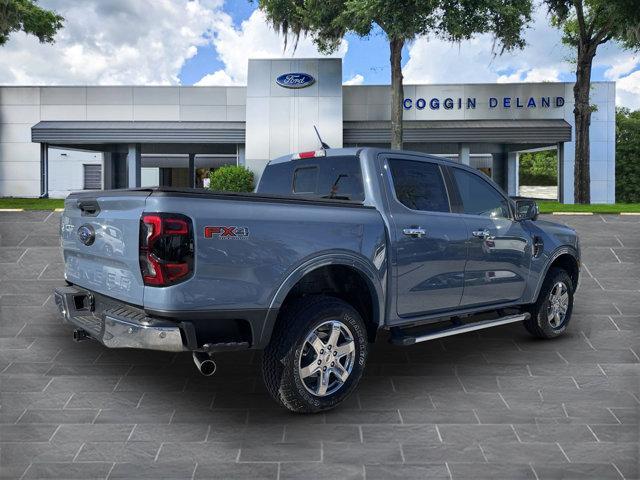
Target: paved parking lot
495, 404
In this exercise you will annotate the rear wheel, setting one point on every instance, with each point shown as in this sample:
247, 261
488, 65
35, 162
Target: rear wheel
317, 354
551, 313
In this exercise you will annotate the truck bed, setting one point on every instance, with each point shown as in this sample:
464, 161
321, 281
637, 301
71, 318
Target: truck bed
242, 196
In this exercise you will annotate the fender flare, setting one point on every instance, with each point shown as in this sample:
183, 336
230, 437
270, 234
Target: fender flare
359, 264
563, 250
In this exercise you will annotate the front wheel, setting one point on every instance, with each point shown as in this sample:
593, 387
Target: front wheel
317, 354
551, 313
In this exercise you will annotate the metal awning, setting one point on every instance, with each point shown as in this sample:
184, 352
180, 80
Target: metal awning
454, 131
59, 132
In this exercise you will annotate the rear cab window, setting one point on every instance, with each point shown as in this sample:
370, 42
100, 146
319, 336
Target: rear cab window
338, 178
419, 185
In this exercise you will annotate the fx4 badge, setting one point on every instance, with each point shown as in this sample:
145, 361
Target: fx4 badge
226, 233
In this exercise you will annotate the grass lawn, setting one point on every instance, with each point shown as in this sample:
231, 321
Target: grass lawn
548, 207
32, 203
545, 206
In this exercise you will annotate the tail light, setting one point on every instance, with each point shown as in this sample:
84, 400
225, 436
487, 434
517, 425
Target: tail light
166, 249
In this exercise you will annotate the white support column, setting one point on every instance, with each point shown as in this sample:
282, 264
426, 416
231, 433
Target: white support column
561, 173
464, 153
134, 165
44, 170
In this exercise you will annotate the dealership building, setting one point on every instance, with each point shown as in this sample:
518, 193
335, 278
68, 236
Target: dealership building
58, 139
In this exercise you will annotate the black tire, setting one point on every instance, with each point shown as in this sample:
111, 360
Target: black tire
539, 325
288, 348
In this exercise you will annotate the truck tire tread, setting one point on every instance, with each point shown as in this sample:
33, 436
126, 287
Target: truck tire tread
278, 360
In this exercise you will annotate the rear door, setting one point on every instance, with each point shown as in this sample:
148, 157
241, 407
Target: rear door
100, 233
430, 242
499, 252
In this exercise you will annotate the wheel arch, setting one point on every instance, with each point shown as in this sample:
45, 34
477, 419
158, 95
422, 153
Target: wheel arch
321, 270
565, 258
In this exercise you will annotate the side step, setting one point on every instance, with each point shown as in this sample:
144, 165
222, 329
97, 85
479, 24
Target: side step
457, 329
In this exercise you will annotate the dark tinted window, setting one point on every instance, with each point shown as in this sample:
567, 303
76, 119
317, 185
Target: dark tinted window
305, 180
419, 185
478, 196
336, 177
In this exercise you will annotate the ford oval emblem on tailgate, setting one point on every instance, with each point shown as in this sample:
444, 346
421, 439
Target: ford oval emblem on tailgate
295, 80
87, 234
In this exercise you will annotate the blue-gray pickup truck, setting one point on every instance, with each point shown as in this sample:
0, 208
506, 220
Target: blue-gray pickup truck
334, 246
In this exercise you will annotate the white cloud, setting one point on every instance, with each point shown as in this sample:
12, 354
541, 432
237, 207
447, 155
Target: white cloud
357, 79
436, 61
219, 77
531, 75
628, 91
115, 42
623, 64
545, 58
253, 39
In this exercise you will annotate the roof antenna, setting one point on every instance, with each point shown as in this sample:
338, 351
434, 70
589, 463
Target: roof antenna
322, 144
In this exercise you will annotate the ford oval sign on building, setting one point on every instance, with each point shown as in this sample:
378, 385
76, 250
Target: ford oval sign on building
295, 80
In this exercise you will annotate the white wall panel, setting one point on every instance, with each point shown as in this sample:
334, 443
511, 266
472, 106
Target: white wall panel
15, 132
203, 96
109, 95
63, 112
156, 95
19, 95
110, 112
203, 113
63, 95
156, 112
19, 114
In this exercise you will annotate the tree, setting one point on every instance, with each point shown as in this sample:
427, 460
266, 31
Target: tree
327, 22
587, 24
627, 156
539, 168
28, 17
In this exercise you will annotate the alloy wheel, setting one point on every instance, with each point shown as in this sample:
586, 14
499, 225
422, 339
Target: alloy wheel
326, 358
558, 305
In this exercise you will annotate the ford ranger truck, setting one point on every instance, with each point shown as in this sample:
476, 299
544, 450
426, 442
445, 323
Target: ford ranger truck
333, 247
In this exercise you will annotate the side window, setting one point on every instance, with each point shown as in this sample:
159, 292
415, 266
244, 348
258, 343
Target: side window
478, 196
419, 185
305, 180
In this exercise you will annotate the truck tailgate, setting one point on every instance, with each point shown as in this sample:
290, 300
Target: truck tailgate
100, 233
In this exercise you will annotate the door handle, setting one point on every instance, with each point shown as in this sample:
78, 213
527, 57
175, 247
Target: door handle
482, 234
415, 232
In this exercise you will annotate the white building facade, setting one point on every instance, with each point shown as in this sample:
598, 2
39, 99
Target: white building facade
57, 139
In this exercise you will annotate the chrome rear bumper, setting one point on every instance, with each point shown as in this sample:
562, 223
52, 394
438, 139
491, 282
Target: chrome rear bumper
116, 325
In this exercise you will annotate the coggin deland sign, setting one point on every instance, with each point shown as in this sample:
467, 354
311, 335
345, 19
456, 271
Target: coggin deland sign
302, 80
469, 103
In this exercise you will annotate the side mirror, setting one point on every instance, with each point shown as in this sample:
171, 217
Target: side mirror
526, 210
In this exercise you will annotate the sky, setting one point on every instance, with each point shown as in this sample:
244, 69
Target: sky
208, 42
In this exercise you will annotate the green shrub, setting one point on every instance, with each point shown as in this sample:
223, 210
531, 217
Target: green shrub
231, 178
539, 168
627, 156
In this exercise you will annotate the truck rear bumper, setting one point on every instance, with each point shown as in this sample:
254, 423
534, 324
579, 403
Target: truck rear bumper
117, 325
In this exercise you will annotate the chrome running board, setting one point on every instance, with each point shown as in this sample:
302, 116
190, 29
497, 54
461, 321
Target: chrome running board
408, 339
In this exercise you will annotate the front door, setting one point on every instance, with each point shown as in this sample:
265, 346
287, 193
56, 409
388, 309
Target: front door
499, 253
430, 242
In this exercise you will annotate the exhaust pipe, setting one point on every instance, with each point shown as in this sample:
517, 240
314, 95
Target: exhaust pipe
204, 363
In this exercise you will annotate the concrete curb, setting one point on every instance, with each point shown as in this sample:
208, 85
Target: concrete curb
571, 213
11, 209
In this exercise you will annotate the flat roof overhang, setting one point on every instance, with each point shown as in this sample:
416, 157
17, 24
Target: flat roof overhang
455, 131
104, 132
